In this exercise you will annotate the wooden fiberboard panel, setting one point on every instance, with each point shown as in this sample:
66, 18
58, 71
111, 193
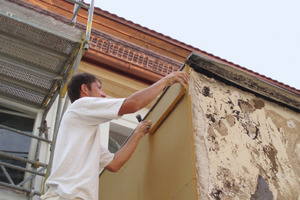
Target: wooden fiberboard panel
163, 165
165, 105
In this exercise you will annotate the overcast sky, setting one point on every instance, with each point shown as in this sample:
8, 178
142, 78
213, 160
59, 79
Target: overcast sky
260, 35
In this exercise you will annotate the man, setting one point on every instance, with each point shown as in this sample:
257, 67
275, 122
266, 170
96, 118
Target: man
79, 156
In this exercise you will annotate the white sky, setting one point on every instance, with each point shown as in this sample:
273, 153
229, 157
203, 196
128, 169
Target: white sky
260, 35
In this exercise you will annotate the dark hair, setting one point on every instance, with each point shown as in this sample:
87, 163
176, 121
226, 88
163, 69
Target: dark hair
74, 86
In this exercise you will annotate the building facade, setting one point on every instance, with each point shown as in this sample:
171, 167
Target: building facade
125, 56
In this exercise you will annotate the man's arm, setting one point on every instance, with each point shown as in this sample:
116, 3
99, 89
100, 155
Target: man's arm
142, 98
123, 155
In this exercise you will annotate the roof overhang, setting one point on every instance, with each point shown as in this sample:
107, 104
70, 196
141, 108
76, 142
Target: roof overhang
36, 54
243, 80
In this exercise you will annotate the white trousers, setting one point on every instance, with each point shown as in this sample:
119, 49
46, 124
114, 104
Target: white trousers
51, 195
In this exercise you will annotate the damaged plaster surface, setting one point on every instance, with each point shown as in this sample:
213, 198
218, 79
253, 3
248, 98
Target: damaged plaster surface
246, 147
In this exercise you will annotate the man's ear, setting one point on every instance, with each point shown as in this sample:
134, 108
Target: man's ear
84, 90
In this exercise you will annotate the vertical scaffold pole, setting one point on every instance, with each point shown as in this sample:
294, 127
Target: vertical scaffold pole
75, 12
89, 26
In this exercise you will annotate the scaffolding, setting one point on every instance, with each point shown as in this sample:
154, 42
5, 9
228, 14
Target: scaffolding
38, 55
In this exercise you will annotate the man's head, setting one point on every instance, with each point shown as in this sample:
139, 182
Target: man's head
84, 84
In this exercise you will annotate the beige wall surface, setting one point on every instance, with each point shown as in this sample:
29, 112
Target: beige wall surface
246, 147
114, 84
163, 165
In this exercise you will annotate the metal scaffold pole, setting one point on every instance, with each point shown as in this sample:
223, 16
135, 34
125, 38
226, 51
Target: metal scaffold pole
44, 101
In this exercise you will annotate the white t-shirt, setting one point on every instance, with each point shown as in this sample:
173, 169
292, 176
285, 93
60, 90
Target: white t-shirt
79, 156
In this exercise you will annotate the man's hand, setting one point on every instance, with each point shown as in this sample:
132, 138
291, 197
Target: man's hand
123, 155
143, 128
177, 77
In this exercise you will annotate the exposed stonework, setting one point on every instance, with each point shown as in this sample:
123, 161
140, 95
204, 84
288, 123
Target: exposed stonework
246, 147
243, 78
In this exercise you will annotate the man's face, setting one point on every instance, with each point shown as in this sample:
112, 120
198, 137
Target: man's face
96, 90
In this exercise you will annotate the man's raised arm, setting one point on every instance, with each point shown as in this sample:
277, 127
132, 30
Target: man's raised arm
142, 98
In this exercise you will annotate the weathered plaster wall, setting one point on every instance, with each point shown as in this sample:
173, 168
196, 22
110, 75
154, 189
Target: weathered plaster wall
246, 147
